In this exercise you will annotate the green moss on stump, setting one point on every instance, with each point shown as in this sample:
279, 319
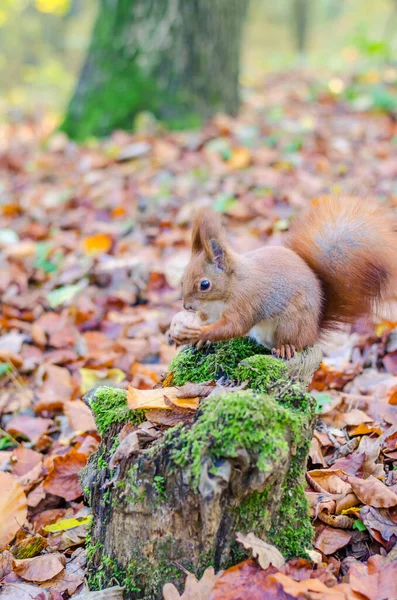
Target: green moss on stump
229, 422
109, 406
219, 360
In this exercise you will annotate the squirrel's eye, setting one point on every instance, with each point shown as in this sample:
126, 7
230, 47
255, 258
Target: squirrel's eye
205, 285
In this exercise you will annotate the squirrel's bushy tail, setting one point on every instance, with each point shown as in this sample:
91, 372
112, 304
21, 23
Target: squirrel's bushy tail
351, 245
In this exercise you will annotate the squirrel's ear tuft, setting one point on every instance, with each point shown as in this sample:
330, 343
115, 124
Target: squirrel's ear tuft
197, 240
208, 237
218, 255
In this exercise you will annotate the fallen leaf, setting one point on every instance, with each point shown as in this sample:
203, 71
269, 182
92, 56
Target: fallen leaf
20, 591
57, 388
329, 480
376, 580
13, 508
29, 547
65, 524
247, 580
63, 479
156, 398
80, 416
113, 593
97, 243
39, 568
31, 428
265, 553
373, 492
330, 540
379, 520
239, 159
71, 577
24, 460
194, 589
6, 567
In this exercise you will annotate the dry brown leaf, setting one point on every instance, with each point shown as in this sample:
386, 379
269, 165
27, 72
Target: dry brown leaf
80, 416
6, 559
57, 387
379, 520
31, 428
194, 589
39, 568
313, 589
373, 492
21, 591
328, 480
376, 580
330, 540
13, 508
63, 479
266, 554
24, 460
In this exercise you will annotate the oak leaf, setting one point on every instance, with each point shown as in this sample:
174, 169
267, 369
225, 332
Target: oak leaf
265, 553
194, 589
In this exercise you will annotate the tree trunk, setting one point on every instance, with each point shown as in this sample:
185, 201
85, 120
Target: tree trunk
300, 16
238, 466
176, 59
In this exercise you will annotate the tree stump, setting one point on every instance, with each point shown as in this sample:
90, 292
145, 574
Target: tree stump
237, 466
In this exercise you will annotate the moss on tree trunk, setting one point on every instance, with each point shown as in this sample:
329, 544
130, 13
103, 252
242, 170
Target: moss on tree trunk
238, 466
177, 59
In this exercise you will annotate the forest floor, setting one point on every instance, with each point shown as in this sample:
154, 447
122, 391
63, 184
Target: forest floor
93, 240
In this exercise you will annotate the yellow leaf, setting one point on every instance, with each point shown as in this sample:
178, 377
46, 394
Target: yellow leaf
353, 510
68, 524
147, 399
240, 159
385, 326
91, 378
191, 403
97, 243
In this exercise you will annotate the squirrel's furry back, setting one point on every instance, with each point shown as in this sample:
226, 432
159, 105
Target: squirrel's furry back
351, 245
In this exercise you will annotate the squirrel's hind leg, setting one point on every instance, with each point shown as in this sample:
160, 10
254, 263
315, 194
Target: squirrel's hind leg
286, 351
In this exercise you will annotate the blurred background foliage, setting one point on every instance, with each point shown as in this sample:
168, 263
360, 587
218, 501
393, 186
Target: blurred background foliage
43, 43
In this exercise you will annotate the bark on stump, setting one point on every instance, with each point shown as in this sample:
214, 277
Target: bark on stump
238, 466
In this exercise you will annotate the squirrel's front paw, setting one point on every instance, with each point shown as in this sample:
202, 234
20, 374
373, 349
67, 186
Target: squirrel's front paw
190, 335
286, 351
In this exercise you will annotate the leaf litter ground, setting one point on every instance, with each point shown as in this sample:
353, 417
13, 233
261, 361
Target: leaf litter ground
93, 240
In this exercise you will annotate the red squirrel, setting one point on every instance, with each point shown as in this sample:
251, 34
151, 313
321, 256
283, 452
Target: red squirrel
339, 262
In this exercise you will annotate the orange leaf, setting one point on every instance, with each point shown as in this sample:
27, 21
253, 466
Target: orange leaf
364, 429
97, 243
63, 479
147, 399
13, 508
240, 159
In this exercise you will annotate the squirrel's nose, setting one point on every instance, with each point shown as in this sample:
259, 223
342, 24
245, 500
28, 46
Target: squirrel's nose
187, 306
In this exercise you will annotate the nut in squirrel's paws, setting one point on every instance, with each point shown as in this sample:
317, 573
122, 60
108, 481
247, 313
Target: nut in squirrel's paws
287, 351
185, 328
